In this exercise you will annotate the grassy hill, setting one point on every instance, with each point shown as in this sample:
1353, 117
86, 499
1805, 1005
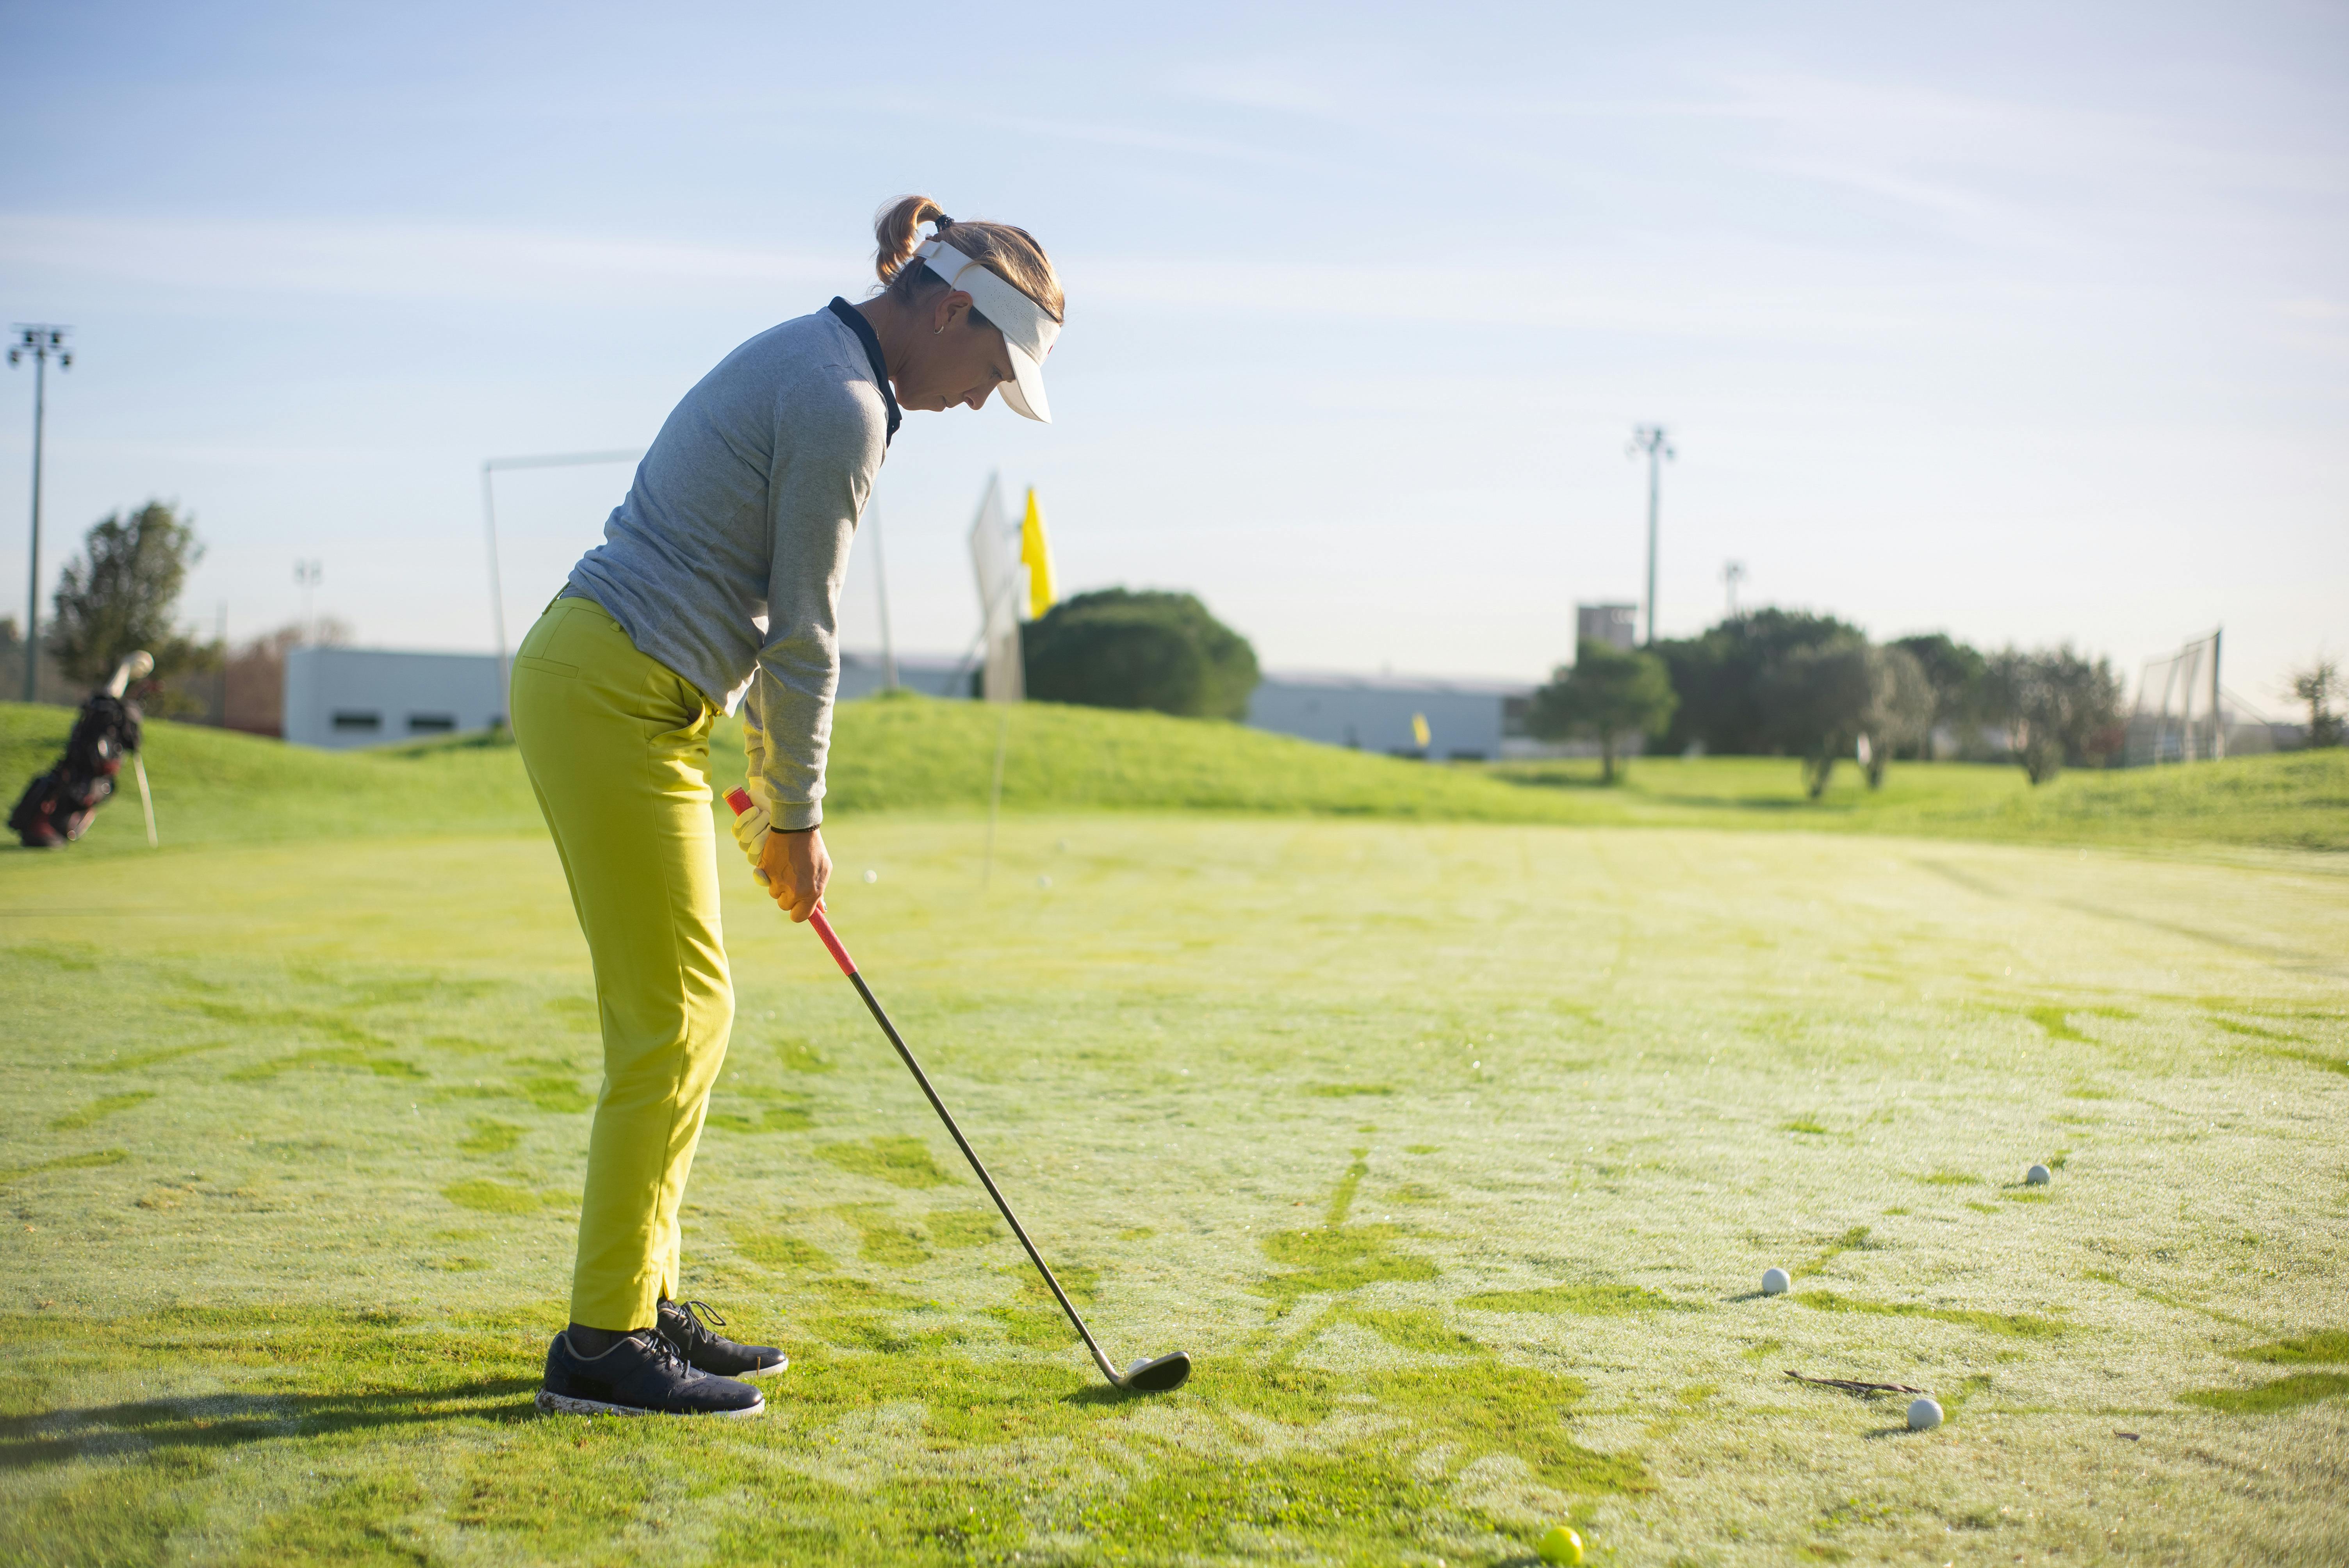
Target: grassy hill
911, 753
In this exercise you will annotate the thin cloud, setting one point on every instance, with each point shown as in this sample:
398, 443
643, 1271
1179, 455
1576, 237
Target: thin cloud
1097, 134
390, 260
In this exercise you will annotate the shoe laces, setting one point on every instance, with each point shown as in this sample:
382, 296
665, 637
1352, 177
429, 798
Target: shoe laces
688, 1321
663, 1353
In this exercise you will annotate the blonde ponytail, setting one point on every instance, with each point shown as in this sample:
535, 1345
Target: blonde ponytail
1011, 253
897, 231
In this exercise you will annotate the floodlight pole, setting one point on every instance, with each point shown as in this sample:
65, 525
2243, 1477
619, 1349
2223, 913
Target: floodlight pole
1653, 440
1733, 572
39, 339
308, 575
490, 466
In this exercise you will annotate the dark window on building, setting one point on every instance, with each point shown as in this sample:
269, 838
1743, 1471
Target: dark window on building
346, 719
430, 723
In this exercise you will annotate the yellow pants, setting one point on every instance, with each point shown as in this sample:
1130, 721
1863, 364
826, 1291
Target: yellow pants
618, 746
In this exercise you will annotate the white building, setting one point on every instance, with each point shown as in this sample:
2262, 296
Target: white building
1466, 720
1616, 626
932, 675
345, 697
341, 698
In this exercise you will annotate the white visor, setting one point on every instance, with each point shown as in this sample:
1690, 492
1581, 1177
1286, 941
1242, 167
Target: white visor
1027, 332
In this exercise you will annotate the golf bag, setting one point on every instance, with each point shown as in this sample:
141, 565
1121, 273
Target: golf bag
56, 808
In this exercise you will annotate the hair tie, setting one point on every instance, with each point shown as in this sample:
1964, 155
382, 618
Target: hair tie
941, 223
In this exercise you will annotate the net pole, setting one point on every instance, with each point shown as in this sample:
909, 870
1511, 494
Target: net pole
2218, 718
2161, 729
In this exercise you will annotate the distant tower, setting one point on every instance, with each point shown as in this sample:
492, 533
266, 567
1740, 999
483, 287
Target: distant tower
1733, 572
1616, 626
1651, 440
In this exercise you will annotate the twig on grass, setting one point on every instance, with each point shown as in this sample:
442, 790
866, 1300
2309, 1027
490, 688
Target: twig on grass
1850, 1387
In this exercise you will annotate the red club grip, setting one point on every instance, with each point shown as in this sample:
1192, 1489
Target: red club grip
831, 942
740, 801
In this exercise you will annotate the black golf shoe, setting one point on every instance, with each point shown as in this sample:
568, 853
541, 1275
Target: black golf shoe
643, 1375
682, 1325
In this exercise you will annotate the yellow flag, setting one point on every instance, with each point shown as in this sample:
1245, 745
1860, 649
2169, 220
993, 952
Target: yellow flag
1036, 554
1419, 731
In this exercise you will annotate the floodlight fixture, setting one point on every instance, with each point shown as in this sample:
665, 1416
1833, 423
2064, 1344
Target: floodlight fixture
39, 339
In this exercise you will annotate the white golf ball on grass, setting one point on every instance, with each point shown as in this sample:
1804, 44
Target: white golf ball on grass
1924, 1415
2038, 1176
1776, 1282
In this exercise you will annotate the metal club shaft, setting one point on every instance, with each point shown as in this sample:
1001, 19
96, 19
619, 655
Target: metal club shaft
881, 1017
1155, 1375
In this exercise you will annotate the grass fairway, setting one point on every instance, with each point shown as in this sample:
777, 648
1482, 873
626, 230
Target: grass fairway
1454, 1152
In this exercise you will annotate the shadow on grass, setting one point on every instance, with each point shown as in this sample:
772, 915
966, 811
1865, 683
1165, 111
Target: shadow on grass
1102, 1394
229, 1420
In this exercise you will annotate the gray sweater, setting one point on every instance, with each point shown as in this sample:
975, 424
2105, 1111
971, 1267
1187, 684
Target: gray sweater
725, 560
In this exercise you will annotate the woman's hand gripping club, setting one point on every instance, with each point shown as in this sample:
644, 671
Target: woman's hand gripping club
793, 864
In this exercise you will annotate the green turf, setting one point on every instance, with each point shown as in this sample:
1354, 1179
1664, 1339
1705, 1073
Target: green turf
1454, 1153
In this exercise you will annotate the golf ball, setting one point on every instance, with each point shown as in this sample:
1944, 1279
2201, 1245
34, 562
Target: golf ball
1775, 1282
1924, 1415
872, 876
2039, 1176
1560, 1546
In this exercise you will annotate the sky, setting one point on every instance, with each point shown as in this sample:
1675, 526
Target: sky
2029, 323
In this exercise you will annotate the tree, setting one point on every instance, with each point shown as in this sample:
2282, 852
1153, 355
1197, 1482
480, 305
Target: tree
1720, 678
1113, 648
1900, 708
1954, 671
2317, 685
2058, 706
119, 594
1608, 693
255, 676
1817, 700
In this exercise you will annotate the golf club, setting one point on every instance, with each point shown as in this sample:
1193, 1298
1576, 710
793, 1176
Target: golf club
146, 797
1153, 1375
137, 667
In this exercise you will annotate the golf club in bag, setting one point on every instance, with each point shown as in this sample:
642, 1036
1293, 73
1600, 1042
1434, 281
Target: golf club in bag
56, 807
1153, 1375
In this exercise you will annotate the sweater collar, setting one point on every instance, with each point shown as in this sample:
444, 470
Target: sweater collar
872, 342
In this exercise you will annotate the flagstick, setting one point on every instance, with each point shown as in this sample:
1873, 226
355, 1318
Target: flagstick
146, 799
995, 797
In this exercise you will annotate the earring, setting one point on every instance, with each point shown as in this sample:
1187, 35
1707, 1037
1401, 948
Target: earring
935, 330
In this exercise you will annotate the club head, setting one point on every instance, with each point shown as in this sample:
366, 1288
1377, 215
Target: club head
1158, 1375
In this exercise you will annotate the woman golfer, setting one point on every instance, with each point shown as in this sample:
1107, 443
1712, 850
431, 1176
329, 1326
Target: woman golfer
717, 583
